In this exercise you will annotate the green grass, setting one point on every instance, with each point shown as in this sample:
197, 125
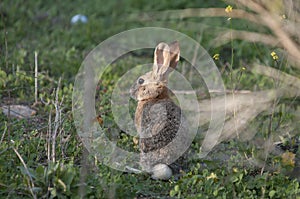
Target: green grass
44, 27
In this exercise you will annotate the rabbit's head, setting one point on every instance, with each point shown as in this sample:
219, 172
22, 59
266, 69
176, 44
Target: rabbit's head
153, 84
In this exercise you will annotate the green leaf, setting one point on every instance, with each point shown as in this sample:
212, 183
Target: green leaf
216, 192
37, 189
172, 193
176, 188
272, 193
234, 179
3, 78
26, 172
241, 176
53, 193
40, 171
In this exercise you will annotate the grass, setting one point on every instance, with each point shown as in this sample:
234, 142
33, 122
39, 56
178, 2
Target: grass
43, 156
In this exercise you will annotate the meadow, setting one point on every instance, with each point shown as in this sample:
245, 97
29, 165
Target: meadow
254, 45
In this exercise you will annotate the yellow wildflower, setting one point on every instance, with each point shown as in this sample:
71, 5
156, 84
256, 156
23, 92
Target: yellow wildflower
212, 176
228, 9
274, 56
216, 56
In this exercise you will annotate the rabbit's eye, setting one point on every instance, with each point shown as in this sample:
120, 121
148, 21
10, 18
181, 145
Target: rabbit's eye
141, 80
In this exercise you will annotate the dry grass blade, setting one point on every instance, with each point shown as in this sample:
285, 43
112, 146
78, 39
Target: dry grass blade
241, 108
196, 12
57, 121
227, 36
3, 134
30, 183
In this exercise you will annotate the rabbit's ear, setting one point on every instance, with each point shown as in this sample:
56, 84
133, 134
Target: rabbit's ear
161, 60
174, 54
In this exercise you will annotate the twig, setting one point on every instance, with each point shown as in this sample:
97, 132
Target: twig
4, 132
56, 121
3, 135
49, 136
8, 118
36, 77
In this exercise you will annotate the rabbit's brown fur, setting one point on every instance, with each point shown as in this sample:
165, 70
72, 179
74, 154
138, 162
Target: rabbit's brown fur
158, 119
139, 109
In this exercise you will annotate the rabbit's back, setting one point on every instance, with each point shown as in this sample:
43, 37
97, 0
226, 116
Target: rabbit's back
159, 124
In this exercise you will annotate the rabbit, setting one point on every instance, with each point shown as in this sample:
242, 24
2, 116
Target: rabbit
158, 119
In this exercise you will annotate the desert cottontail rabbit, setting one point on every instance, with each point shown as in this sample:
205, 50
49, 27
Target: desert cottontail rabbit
157, 118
